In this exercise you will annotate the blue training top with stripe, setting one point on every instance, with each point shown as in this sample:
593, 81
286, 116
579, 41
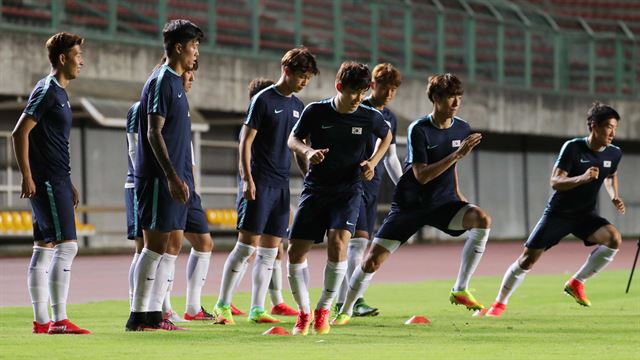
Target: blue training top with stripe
346, 136
575, 158
429, 144
372, 186
132, 128
273, 115
49, 140
164, 95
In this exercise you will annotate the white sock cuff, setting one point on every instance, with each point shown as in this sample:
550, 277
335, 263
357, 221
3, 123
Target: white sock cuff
42, 249
360, 275
516, 269
337, 266
481, 234
390, 245
360, 242
271, 252
294, 267
169, 257
152, 254
199, 253
244, 249
609, 252
67, 248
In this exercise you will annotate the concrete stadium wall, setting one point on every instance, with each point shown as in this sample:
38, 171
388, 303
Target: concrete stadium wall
222, 83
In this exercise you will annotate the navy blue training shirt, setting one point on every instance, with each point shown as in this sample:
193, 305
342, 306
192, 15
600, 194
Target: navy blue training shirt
132, 128
273, 115
346, 136
49, 140
392, 122
575, 158
164, 95
430, 144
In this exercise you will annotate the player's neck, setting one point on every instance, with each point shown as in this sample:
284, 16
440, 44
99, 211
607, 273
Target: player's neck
176, 66
283, 88
594, 144
340, 108
60, 77
441, 121
379, 105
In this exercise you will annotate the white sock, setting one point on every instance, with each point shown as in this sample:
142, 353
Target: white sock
197, 269
164, 277
598, 260
231, 273
471, 255
132, 269
333, 276
38, 284
275, 285
357, 286
243, 271
166, 302
143, 278
355, 253
298, 280
59, 278
262, 270
510, 282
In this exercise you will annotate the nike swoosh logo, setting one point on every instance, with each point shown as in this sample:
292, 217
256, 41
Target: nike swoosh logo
327, 126
584, 161
429, 147
278, 111
169, 280
179, 95
478, 252
234, 271
349, 223
62, 105
150, 279
65, 270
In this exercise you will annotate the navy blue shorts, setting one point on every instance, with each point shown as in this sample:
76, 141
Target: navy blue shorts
156, 209
196, 218
401, 223
368, 213
53, 211
551, 228
131, 210
321, 211
267, 214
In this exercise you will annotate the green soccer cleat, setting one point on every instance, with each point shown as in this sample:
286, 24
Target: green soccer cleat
464, 297
575, 289
341, 320
360, 308
222, 315
258, 315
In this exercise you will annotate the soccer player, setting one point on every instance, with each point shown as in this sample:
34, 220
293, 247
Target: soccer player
163, 179
385, 80
332, 135
263, 194
583, 165
428, 194
41, 145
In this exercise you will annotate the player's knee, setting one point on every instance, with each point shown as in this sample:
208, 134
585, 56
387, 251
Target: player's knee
527, 261
372, 264
483, 220
615, 239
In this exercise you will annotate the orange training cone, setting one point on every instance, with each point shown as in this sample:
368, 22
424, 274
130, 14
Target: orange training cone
276, 330
418, 319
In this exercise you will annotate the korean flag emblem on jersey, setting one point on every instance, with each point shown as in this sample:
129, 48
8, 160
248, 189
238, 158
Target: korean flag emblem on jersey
296, 114
606, 164
356, 130
455, 143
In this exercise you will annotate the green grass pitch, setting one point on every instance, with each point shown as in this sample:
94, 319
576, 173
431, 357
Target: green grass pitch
540, 323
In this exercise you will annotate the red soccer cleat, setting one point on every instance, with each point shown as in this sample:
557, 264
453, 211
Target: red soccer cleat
202, 315
40, 328
169, 326
575, 289
496, 309
284, 309
302, 324
321, 323
236, 311
66, 327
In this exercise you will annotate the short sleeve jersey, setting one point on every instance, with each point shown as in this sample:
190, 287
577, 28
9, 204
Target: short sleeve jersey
164, 95
575, 158
390, 118
346, 136
430, 144
273, 115
49, 140
132, 128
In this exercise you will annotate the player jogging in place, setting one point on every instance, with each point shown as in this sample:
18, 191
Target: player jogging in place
385, 80
583, 165
263, 192
164, 175
428, 194
332, 135
41, 146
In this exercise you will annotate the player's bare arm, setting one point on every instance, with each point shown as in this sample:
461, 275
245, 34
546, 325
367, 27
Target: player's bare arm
178, 188
247, 136
611, 184
368, 166
560, 181
426, 172
302, 162
20, 136
299, 147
